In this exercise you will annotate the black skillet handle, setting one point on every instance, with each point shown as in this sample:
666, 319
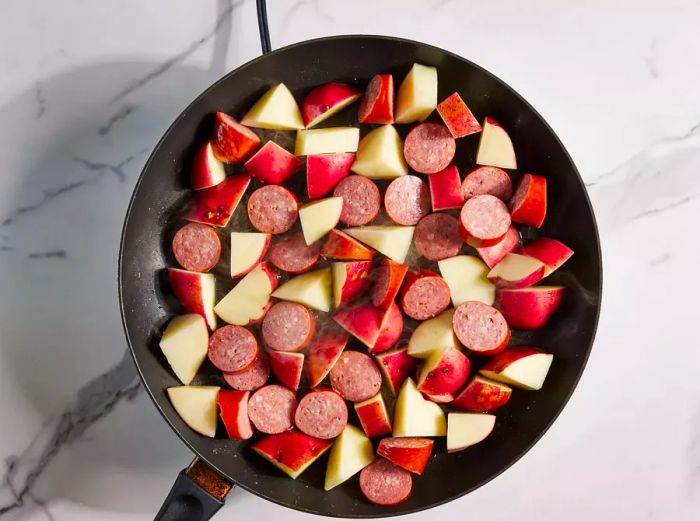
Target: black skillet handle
262, 26
198, 494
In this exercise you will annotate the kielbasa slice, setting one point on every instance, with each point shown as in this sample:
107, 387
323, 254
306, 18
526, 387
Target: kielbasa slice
252, 377
489, 180
272, 408
197, 247
288, 326
437, 236
407, 200
293, 255
355, 376
384, 483
424, 295
232, 348
322, 413
429, 148
272, 209
484, 220
361, 200
480, 328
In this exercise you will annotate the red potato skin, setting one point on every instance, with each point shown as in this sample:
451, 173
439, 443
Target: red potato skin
287, 367
215, 205
498, 363
272, 164
187, 288
390, 329
440, 398
232, 142
396, 366
530, 206
481, 396
396, 274
446, 189
492, 255
528, 308
340, 246
324, 171
323, 98
357, 280
233, 407
413, 459
380, 109
291, 449
363, 321
526, 282
457, 117
201, 174
448, 376
322, 354
550, 251
373, 418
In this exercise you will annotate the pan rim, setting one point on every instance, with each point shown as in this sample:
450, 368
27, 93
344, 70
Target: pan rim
598, 262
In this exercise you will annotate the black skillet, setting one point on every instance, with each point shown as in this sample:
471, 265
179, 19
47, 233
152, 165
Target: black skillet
153, 215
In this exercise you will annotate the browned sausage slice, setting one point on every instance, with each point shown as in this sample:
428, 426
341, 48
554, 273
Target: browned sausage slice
355, 376
252, 377
232, 348
361, 200
487, 180
272, 408
272, 209
484, 220
424, 295
437, 236
293, 255
384, 483
429, 148
480, 328
322, 413
407, 200
197, 247
288, 326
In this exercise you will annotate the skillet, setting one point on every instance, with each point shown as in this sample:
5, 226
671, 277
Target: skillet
153, 216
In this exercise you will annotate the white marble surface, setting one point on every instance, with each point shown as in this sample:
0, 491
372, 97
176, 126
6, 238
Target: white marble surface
86, 89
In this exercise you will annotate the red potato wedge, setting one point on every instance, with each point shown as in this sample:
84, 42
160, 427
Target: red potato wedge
215, 205
444, 372
322, 354
373, 416
529, 308
440, 398
292, 451
324, 171
446, 189
516, 271
350, 280
390, 329
326, 100
550, 251
396, 366
367, 323
233, 407
231, 141
272, 164
207, 170
411, 454
465, 429
387, 283
287, 367
196, 292
248, 249
482, 395
492, 255
377, 105
524, 367
495, 146
457, 116
340, 246
529, 202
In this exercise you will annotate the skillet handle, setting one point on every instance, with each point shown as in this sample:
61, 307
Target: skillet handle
263, 28
198, 494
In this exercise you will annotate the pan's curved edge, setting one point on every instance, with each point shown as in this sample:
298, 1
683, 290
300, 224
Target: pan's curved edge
183, 114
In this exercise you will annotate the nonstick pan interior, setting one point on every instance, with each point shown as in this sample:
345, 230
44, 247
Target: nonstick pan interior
161, 191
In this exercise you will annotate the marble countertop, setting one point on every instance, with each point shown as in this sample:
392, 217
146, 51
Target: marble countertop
86, 90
